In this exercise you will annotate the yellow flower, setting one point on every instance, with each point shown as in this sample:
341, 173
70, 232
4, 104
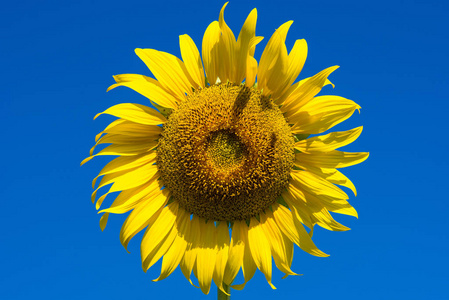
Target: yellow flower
230, 179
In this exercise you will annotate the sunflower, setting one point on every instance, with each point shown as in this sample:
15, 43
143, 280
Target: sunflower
222, 172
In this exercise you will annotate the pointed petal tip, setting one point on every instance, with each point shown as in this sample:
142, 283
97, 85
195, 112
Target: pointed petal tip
364, 155
271, 285
104, 221
319, 253
126, 246
292, 274
286, 26
86, 160
116, 78
221, 16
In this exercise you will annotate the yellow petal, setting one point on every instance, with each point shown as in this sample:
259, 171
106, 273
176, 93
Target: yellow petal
248, 265
273, 65
290, 94
104, 221
112, 125
222, 254
236, 251
340, 207
176, 251
126, 180
305, 91
332, 159
135, 112
124, 150
122, 139
169, 70
129, 128
194, 239
243, 49
226, 49
294, 231
211, 57
251, 63
159, 236
330, 174
296, 59
251, 71
147, 87
321, 113
191, 57
105, 180
123, 163
119, 139
320, 214
128, 199
260, 249
288, 252
306, 181
206, 255
328, 142
302, 212
276, 241
145, 213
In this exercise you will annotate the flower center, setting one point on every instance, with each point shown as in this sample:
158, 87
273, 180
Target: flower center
226, 153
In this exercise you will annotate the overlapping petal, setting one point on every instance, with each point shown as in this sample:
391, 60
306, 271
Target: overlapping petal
226, 49
210, 52
145, 214
332, 159
147, 87
321, 114
136, 113
172, 258
245, 46
169, 71
305, 90
328, 142
192, 60
159, 235
273, 65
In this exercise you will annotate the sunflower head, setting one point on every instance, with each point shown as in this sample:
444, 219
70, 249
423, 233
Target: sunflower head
220, 171
226, 153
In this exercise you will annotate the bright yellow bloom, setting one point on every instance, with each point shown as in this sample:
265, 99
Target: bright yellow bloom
232, 153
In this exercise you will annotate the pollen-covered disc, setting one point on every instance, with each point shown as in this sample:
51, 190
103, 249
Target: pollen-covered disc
226, 153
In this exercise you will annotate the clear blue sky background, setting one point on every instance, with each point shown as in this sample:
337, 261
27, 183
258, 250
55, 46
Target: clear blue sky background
57, 58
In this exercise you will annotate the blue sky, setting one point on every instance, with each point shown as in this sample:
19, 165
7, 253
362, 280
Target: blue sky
57, 58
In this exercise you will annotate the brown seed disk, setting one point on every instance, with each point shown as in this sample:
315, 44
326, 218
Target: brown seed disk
226, 153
